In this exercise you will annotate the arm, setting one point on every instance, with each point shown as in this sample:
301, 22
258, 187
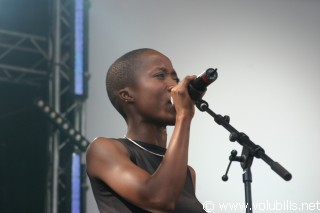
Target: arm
156, 192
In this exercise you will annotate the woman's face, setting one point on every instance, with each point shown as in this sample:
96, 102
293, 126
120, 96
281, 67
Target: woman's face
155, 77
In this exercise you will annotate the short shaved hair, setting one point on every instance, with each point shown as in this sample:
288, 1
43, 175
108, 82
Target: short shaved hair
122, 74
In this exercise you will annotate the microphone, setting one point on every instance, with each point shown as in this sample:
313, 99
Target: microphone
198, 86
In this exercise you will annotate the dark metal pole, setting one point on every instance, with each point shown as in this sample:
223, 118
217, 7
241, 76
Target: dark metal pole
247, 179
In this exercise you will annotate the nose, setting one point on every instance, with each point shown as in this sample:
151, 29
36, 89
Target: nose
170, 88
171, 83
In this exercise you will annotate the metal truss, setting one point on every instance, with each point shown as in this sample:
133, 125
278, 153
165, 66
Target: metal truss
61, 86
23, 58
34, 60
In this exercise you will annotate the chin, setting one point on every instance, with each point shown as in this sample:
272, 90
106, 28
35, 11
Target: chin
172, 122
168, 122
168, 119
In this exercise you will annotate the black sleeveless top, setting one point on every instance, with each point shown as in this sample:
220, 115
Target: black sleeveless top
110, 202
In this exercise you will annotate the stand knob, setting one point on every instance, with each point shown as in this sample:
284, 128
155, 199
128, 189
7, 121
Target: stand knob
232, 157
225, 178
226, 118
233, 136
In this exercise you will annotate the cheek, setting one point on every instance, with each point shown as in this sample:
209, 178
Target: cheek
150, 96
150, 89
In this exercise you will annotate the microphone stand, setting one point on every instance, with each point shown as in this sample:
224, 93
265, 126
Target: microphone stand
249, 151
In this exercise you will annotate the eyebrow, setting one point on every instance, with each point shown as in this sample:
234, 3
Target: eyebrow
167, 71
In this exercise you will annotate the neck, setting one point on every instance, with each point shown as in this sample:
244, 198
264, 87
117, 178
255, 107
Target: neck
148, 133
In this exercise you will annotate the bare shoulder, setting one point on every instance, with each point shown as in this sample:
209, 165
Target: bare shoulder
104, 151
102, 146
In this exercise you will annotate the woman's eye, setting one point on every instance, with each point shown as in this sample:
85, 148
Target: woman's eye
161, 75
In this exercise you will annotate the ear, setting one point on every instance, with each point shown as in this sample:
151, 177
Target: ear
125, 95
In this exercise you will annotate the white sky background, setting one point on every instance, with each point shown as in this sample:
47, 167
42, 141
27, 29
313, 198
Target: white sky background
268, 59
